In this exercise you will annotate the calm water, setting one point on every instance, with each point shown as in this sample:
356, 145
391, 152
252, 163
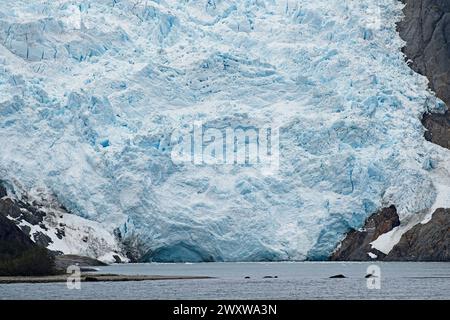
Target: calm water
303, 280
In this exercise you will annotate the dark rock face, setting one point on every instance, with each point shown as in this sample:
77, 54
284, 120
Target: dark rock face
13, 237
425, 242
2, 191
42, 239
64, 261
426, 29
356, 245
117, 259
9, 208
438, 126
19, 256
22, 211
13, 240
42, 219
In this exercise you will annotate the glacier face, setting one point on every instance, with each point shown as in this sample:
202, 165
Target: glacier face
91, 91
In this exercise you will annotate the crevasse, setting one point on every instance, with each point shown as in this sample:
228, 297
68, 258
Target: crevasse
90, 92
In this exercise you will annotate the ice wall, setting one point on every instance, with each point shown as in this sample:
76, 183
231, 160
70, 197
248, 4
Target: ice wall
90, 92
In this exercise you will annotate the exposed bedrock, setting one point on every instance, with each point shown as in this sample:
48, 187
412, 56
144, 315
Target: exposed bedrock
424, 242
426, 30
64, 261
438, 128
19, 255
50, 225
356, 245
23, 253
25, 215
10, 234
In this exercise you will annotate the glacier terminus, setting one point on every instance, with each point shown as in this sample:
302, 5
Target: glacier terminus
92, 94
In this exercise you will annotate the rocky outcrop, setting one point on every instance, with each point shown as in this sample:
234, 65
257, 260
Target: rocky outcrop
438, 128
425, 242
25, 214
356, 245
64, 261
426, 30
12, 239
21, 256
50, 225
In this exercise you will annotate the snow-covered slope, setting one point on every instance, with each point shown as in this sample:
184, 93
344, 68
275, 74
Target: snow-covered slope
48, 224
91, 91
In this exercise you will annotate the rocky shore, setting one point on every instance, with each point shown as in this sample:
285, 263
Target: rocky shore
96, 278
62, 262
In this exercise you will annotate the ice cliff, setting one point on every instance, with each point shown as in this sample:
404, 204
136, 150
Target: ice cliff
91, 91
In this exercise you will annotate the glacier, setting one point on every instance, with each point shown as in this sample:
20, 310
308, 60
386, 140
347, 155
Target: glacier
92, 91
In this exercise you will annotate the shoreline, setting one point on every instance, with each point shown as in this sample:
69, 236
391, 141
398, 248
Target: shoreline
88, 277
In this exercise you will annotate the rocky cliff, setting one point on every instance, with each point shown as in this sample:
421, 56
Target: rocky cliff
19, 255
425, 242
426, 30
23, 252
357, 244
428, 241
12, 237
